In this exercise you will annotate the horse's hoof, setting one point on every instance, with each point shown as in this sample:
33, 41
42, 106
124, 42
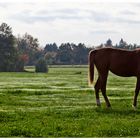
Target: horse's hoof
134, 107
98, 103
109, 107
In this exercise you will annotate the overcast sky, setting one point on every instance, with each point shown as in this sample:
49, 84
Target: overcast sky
88, 21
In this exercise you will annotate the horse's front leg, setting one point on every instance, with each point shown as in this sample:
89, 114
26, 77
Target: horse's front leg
136, 92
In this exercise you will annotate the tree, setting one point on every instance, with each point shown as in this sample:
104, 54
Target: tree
8, 51
50, 51
50, 57
64, 55
50, 48
108, 43
122, 44
80, 53
41, 65
29, 46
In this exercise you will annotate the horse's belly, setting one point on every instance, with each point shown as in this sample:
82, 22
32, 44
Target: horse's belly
124, 74
125, 71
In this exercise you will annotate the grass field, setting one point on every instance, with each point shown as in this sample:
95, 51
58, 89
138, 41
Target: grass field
60, 104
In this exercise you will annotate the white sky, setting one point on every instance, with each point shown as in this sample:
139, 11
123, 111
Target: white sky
88, 21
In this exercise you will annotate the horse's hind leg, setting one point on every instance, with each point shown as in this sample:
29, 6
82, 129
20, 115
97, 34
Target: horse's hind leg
97, 88
103, 88
136, 92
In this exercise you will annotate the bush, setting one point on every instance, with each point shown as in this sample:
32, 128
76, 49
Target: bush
41, 66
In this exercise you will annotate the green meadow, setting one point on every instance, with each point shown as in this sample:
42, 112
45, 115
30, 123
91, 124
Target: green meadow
61, 104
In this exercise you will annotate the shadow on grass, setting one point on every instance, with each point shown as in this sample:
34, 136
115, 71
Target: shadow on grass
118, 111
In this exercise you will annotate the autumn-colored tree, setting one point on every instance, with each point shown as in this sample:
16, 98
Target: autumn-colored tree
29, 46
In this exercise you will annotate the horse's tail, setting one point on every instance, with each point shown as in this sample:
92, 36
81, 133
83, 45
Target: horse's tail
91, 66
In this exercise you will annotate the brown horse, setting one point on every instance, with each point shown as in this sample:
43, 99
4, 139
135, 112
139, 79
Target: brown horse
120, 62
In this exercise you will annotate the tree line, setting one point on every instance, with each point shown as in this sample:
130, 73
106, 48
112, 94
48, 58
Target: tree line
66, 53
70, 53
16, 52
